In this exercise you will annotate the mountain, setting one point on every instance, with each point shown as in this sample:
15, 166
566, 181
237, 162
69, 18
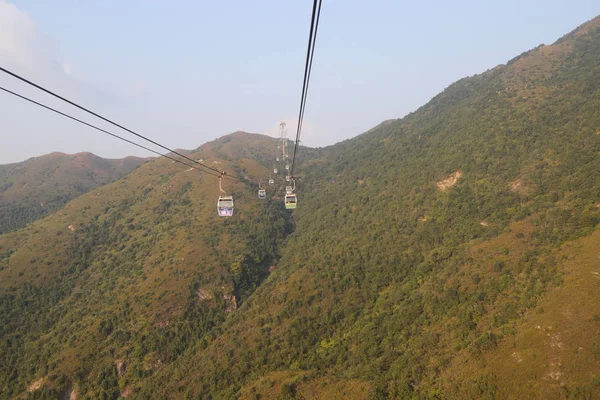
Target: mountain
143, 265
429, 240
452, 253
37, 187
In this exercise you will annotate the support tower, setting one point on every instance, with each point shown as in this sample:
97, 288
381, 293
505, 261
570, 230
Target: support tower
283, 139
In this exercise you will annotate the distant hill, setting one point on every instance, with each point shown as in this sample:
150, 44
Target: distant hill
256, 147
449, 254
34, 188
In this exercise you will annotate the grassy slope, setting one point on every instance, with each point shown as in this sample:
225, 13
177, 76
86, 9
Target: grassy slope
31, 189
554, 350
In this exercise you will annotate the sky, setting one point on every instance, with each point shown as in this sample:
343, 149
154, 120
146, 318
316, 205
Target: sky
186, 72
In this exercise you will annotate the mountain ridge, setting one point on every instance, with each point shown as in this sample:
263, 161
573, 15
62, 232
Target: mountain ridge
379, 285
38, 186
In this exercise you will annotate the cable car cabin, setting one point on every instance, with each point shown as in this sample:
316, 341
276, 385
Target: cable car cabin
262, 193
287, 167
274, 170
290, 201
287, 178
271, 182
225, 206
288, 190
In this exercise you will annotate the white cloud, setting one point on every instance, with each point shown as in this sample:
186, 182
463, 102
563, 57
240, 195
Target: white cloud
32, 54
16, 31
27, 130
22, 47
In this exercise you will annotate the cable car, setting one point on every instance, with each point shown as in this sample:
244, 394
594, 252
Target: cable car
287, 167
290, 201
271, 182
274, 170
287, 178
225, 206
225, 203
288, 190
277, 159
262, 193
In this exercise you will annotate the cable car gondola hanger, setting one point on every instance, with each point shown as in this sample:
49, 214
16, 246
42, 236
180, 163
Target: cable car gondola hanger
291, 200
262, 193
225, 203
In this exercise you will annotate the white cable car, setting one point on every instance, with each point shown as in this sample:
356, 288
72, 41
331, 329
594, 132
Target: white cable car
287, 178
271, 182
225, 206
262, 193
225, 203
274, 170
290, 201
287, 167
277, 159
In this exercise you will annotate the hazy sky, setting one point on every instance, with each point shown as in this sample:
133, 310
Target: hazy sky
185, 72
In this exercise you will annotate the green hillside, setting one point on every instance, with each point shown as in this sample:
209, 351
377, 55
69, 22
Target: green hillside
452, 253
32, 189
136, 270
389, 275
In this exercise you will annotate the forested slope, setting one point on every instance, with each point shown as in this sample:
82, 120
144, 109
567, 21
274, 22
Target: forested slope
422, 258
426, 239
122, 280
32, 189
